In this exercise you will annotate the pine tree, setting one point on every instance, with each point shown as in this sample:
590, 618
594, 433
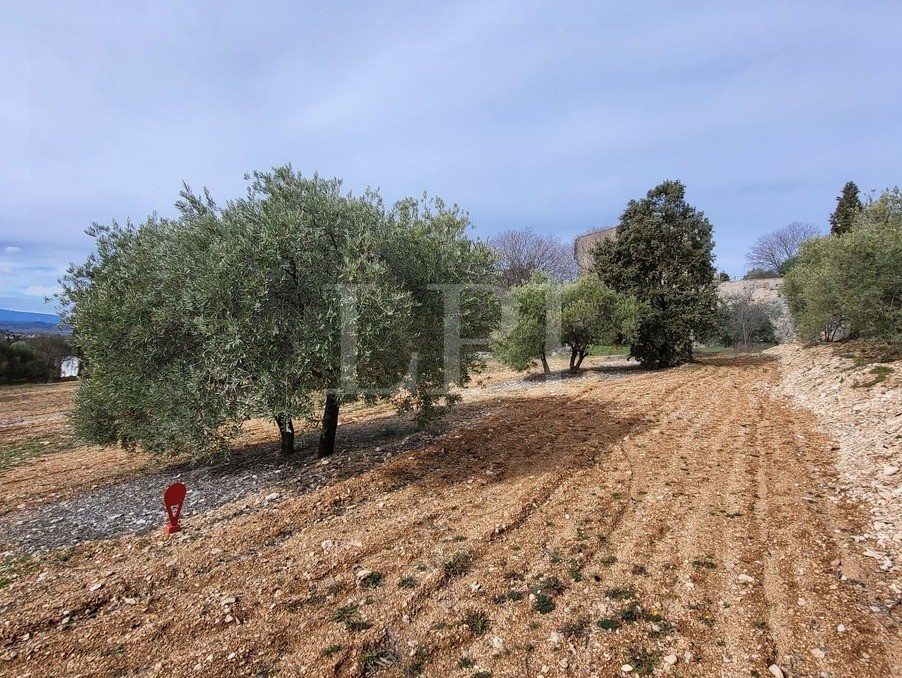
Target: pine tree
847, 206
663, 256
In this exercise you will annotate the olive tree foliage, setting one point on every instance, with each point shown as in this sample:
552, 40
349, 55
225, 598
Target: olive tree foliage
543, 314
293, 298
851, 284
776, 252
592, 313
528, 328
523, 252
663, 255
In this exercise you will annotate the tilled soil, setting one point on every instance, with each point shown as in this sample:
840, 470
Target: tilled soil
685, 522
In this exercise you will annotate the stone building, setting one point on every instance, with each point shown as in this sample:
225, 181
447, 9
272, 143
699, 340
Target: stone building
585, 244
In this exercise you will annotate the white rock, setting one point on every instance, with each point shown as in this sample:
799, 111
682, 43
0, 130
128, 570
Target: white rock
841, 629
776, 671
228, 600
272, 496
626, 668
363, 573
231, 656
96, 587
563, 663
890, 470
745, 579
555, 638
671, 659
498, 644
818, 652
327, 545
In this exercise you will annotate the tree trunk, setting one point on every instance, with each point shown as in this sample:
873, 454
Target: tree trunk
330, 426
286, 434
579, 361
545, 367
572, 359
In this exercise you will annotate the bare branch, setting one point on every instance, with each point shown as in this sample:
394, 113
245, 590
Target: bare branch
773, 250
521, 252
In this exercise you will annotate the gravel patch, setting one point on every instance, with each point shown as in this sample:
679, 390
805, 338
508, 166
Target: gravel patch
866, 423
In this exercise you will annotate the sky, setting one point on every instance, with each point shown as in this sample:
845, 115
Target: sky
526, 114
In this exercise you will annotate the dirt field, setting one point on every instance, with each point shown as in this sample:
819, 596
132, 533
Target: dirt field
683, 523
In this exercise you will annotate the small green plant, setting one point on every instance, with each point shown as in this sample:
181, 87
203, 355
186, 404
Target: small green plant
608, 560
457, 565
881, 372
13, 568
555, 557
374, 658
466, 663
418, 665
478, 622
407, 583
372, 580
543, 604
631, 614
514, 595
609, 624
482, 674
643, 662
620, 593
704, 564
639, 570
347, 615
329, 651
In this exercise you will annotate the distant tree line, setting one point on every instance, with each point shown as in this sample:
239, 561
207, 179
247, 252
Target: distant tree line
32, 359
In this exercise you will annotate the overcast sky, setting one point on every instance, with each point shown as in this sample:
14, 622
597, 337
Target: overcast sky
549, 115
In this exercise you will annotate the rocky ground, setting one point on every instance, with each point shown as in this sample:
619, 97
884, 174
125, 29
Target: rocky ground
858, 403
692, 522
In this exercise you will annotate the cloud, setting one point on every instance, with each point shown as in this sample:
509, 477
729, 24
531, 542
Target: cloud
40, 290
10, 249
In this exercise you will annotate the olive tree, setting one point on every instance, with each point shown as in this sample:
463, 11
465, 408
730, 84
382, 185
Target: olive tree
294, 297
542, 315
593, 313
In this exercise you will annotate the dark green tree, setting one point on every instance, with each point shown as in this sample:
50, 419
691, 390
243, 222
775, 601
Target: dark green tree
848, 205
663, 255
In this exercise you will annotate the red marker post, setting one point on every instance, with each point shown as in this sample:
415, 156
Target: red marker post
173, 498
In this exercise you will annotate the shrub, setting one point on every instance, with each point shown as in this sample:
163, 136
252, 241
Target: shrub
851, 284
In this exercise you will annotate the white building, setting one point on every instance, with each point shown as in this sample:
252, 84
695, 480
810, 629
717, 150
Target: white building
69, 367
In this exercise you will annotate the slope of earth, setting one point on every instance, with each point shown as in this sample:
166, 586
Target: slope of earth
859, 404
686, 522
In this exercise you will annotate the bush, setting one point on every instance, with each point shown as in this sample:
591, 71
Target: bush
851, 284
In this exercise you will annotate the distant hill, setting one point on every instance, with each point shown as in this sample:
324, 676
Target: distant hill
23, 322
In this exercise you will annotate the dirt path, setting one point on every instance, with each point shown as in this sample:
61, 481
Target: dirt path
568, 530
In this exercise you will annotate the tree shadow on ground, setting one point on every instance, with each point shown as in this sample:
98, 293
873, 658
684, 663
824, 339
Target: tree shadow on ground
510, 437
